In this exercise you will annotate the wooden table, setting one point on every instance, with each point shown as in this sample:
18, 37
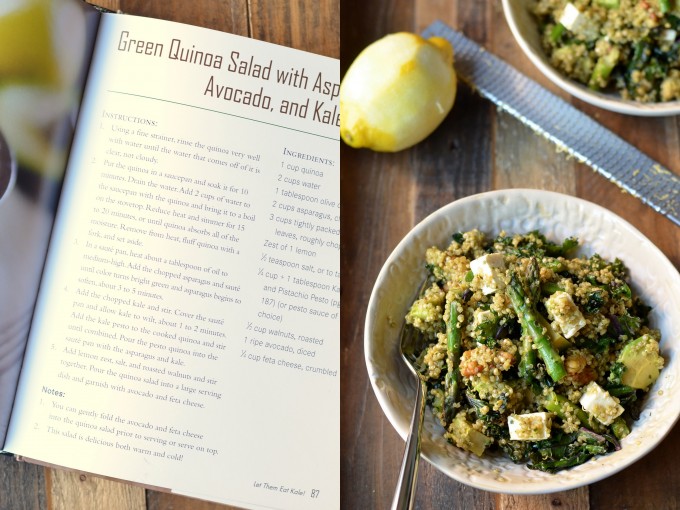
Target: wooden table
476, 149
311, 25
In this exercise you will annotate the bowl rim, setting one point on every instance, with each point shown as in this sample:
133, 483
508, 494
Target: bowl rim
8, 168
605, 101
544, 487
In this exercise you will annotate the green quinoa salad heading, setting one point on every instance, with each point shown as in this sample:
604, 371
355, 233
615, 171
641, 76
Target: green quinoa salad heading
628, 46
531, 351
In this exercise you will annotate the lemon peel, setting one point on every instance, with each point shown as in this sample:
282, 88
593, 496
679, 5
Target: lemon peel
397, 91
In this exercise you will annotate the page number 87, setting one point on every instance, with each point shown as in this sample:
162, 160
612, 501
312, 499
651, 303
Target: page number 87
315, 493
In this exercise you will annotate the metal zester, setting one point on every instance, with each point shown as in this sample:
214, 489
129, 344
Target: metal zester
570, 129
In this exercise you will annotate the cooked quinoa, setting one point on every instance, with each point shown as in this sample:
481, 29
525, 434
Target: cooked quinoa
630, 46
520, 332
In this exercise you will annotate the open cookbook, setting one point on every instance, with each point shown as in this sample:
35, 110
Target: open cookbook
169, 256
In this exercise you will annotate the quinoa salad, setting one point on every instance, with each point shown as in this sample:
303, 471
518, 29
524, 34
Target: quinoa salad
628, 46
531, 351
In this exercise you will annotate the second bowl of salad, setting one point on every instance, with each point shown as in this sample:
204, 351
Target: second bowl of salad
621, 55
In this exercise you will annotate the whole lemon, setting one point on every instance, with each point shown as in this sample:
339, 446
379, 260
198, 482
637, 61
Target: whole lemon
396, 92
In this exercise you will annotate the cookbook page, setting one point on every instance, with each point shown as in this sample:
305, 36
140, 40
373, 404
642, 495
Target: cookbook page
45, 50
187, 335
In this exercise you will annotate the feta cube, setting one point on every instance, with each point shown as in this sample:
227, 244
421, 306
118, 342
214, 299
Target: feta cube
599, 403
566, 316
529, 427
570, 16
491, 269
580, 24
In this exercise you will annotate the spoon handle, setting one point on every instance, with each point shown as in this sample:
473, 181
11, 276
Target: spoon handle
405, 492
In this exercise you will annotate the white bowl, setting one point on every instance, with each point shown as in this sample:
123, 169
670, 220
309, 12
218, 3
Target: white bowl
557, 216
524, 28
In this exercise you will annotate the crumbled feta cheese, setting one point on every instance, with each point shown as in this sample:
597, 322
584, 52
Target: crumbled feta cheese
668, 35
566, 316
577, 22
600, 404
529, 427
491, 269
570, 16
480, 316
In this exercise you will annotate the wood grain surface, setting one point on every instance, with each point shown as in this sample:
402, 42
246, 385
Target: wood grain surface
476, 149
383, 195
311, 25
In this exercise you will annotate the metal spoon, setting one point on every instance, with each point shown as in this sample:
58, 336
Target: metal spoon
405, 492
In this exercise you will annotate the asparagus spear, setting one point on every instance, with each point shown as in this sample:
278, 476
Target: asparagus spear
532, 327
452, 378
533, 280
603, 69
562, 407
620, 428
527, 363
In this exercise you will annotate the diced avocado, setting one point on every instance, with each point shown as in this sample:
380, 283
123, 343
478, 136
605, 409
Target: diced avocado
482, 385
425, 313
556, 339
465, 436
642, 361
496, 393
